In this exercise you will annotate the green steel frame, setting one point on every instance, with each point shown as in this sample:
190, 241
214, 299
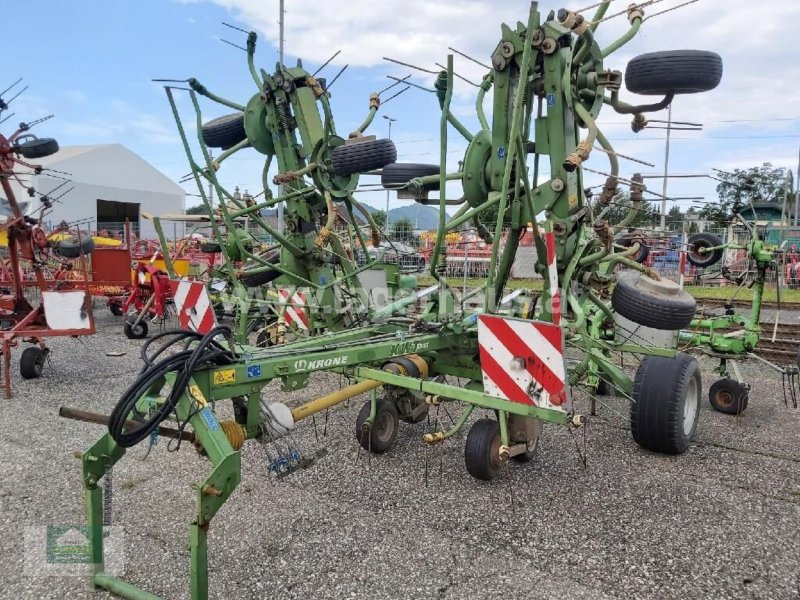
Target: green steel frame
549, 85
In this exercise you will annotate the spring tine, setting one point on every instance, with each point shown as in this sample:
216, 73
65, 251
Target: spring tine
235, 27
477, 62
11, 86
398, 82
784, 375
328, 87
232, 44
405, 89
325, 64
410, 66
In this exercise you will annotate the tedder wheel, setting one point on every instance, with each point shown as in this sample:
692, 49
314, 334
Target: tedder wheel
482, 450
728, 396
115, 309
658, 304
381, 436
263, 278
136, 333
38, 148
360, 157
72, 247
31, 363
224, 132
666, 403
698, 253
399, 174
673, 72
628, 240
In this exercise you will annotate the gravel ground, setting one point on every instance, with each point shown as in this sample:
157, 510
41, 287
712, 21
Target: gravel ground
720, 521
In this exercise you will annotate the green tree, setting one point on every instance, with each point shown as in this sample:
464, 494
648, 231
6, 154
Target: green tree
674, 218
402, 229
199, 209
379, 216
738, 189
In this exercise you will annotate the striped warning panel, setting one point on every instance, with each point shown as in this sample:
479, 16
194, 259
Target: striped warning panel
552, 276
295, 312
193, 306
523, 361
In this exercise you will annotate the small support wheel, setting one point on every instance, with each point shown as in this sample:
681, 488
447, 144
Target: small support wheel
136, 333
31, 363
482, 450
381, 436
728, 396
115, 309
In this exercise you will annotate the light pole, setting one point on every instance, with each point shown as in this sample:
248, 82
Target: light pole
386, 225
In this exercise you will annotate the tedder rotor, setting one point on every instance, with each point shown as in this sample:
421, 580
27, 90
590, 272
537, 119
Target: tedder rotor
521, 360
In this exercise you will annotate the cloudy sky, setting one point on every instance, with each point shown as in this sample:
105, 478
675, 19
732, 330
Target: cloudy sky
90, 62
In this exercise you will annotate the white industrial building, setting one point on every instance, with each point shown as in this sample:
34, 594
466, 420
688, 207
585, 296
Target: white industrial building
110, 184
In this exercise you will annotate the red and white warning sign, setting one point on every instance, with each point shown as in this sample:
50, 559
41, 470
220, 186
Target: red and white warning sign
523, 361
193, 305
295, 312
552, 276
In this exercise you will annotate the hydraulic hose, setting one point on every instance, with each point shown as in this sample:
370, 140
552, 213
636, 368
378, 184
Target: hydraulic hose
183, 363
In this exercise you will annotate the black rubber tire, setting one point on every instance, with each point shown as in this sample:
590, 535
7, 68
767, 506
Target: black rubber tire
38, 148
72, 247
135, 333
381, 436
210, 247
360, 157
263, 278
31, 363
661, 388
482, 450
224, 132
115, 309
655, 310
628, 240
673, 72
699, 242
728, 396
398, 174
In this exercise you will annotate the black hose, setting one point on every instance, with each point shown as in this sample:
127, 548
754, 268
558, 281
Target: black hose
208, 352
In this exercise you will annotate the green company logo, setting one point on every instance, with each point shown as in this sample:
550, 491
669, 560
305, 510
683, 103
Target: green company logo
68, 544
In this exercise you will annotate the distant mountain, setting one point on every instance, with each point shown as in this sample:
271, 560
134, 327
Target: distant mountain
421, 216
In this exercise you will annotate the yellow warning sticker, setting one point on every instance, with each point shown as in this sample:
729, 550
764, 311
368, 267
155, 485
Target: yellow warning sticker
224, 376
194, 390
573, 199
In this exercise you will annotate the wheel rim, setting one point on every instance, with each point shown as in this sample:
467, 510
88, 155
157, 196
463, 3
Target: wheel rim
690, 407
724, 398
383, 427
494, 453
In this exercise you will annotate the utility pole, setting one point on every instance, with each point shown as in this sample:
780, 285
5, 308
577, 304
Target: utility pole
386, 225
666, 173
797, 193
280, 60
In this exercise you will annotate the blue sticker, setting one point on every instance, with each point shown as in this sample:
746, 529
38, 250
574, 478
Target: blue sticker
208, 417
323, 280
551, 100
501, 152
253, 371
